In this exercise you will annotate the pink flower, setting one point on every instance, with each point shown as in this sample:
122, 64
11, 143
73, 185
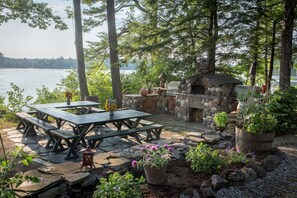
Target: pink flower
148, 155
134, 163
170, 149
154, 148
148, 146
165, 146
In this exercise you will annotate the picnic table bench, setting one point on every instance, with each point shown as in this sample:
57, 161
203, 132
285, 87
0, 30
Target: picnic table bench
157, 131
69, 136
95, 140
28, 122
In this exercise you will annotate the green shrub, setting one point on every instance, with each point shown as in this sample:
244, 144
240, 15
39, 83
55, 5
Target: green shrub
220, 119
257, 118
16, 100
12, 159
204, 159
283, 104
119, 186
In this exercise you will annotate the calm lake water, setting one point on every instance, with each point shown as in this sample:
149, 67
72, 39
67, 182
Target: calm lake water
30, 79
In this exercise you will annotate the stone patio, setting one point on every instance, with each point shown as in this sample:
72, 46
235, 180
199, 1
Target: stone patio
115, 154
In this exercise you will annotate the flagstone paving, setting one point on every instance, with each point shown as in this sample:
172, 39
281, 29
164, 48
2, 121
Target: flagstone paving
113, 154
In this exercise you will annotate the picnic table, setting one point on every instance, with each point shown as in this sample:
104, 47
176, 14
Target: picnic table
82, 124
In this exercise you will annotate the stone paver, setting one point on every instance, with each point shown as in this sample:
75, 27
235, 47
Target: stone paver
24, 140
76, 178
108, 148
211, 137
195, 134
196, 139
117, 164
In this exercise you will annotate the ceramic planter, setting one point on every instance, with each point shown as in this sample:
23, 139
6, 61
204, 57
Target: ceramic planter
260, 144
154, 176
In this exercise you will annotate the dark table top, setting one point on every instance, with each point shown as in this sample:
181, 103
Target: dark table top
64, 105
93, 118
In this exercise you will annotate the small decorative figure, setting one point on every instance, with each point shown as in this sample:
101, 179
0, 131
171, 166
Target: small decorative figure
88, 155
162, 79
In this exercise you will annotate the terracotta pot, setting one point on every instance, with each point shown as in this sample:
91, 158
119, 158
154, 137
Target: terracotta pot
154, 176
260, 144
144, 92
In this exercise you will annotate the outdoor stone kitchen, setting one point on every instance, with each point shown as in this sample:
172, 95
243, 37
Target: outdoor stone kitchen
194, 99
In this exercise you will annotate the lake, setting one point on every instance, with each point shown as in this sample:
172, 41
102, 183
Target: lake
30, 79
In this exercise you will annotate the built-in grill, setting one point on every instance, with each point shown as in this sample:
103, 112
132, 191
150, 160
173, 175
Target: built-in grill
201, 96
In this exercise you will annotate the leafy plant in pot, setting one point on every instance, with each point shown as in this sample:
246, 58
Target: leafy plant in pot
220, 120
154, 162
255, 132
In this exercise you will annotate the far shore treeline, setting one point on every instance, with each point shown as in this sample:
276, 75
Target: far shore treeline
39, 63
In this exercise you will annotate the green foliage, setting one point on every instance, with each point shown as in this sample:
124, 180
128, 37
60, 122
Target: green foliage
220, 119
231, 156
131, 83
99, 83
204, 159
258, 119
44, 95
13, 158
156, 156
34, 14
118, 186
16, 100
283, 105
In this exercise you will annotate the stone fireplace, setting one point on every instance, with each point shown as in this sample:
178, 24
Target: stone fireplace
201, 96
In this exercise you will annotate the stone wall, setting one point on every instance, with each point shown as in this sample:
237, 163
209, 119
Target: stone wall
152, 103
209, 104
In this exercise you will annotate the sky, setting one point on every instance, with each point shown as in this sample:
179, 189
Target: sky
17, 40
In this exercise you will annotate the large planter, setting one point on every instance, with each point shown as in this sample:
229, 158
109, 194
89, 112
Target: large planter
260, 144
154, 175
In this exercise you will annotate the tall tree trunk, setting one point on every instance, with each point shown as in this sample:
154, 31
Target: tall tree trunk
79, 50
271, 56
254, 65
286, 44
113, 53
213, 36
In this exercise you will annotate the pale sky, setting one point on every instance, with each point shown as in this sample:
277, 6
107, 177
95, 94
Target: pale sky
19, 41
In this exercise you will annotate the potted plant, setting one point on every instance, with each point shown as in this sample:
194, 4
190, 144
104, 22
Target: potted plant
255, 132
220, 120
154, 163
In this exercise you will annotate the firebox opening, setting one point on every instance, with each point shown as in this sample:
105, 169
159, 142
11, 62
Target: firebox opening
196, 115
197, 89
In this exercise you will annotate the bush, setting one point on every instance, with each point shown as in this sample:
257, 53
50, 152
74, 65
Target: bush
119, 186
283, 104
204, 159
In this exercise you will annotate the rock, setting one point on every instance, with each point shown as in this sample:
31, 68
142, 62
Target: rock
258, 169
211, 137
236, 176
270, 162
278, 152
76, 178
218, 182
208, 193
206, 189
53, 191
195, 134
196, 139
91, 180
46, 182
249, 174
189, 193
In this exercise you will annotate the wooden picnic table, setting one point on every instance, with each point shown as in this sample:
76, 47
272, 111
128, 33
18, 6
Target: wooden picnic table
83, 124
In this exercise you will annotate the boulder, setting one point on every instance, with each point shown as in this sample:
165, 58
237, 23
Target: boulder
249, 174
261, 172
270, 162
218, 182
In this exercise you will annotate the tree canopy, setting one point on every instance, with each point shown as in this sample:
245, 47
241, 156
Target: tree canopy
29, 12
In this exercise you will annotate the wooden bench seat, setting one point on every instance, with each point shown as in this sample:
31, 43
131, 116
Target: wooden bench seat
70, 138
95, 140
156, 132
28, 122
96, 110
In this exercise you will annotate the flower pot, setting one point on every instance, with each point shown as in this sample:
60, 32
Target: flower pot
145, 92
260, 144
154, 176
111, 113
68, 101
